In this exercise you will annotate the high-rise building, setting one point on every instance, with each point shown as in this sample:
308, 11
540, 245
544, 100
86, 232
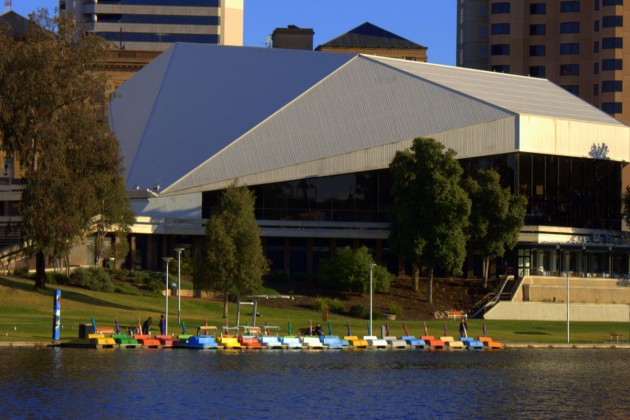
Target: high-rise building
576, 44
155, 25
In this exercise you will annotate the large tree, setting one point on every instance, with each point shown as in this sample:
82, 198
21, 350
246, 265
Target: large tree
496, 216
431, 209
50, 108
231, 260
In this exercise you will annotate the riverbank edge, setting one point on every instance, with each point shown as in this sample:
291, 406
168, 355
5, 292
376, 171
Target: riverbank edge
507, 346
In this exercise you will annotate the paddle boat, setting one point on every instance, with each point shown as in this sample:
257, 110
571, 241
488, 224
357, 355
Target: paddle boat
433, 343
205, 339
490, 344
356, 342
331, 341
147, 341
471, 343
291, 342
453, 344
229, 341
248, 339
396, 343
312, 342
413, 342
93, 341
167, 341
375, 343
125, 341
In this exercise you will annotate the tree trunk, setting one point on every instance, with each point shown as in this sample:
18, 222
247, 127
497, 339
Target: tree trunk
40, 270
486, 270
225, 305
430, 285
416, 277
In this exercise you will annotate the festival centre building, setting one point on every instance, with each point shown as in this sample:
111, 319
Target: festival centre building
313, 134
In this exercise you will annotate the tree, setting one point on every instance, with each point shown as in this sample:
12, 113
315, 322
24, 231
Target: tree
431, 209
231, 259
49, 121
496, 216
349, 271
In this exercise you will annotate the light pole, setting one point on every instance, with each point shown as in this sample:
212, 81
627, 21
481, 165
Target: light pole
567, 307
371, 267
179, 284
166, 260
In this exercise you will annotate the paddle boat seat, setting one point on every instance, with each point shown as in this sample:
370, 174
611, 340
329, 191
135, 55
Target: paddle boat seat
453, 344
414, 342
396, 343
433, 342
166, 340
249, 341
271, 342
147, 341
199, 342
125, 341
375, 342
356, 342
229, 342
488, 343
101, 340
471, 343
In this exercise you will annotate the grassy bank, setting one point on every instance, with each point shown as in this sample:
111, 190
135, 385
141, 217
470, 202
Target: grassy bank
26, 314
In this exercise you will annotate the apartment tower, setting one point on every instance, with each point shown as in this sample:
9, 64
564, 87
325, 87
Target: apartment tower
576, 44
155, 25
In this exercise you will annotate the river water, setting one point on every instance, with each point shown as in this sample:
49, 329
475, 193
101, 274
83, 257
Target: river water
66, 383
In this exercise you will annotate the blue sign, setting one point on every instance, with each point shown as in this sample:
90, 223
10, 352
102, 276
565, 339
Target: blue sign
57, 315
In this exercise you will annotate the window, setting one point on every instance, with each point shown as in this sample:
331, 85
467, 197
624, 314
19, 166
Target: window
574, 89
596, 26
537, 9
537, 71
569, 6
569, 69
536, 50
596, 4
538, 29
596, 68
595, 89
613, 2
501, 68
500, 29
612, 64
503, 7
610, 43
570, 48
570, 27
596, 47
612, 86
612, 21
612, 107
500, 49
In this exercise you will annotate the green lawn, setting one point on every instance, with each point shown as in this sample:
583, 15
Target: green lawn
26, 315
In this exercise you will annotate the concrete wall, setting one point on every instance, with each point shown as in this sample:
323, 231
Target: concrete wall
549, 289
540, 311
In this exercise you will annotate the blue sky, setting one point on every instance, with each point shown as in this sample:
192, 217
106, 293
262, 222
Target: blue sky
431, 23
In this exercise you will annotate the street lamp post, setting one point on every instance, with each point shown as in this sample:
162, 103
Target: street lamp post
568, 307
371, 267
179, 284
166, 260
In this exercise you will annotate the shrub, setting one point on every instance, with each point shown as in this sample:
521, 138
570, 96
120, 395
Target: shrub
358, 311
21, 272
278, 276
323, 303
56, 278
93, 279
395, 309
349, 271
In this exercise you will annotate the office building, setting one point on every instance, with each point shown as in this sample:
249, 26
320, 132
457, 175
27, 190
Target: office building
577, 44
155, 25
313, 135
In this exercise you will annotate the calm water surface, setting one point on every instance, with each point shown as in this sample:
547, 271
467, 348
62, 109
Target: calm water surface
545, 383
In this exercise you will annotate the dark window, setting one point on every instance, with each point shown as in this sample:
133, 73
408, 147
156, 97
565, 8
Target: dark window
537, 9
569, 69
500, 29
570, 27
612, 21
570, 48
569, 6
611, 43
574, 89
596, 47
596, 68
613, 2
537, 71
611, 107
206, 3
596, 26
152, 37
500, 49
503, 7
538, 29
612, 86
612, 64
595, 89
500, 68
158, 19
596, 4
536, 50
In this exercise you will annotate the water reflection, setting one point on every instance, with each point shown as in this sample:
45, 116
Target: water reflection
78, 383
